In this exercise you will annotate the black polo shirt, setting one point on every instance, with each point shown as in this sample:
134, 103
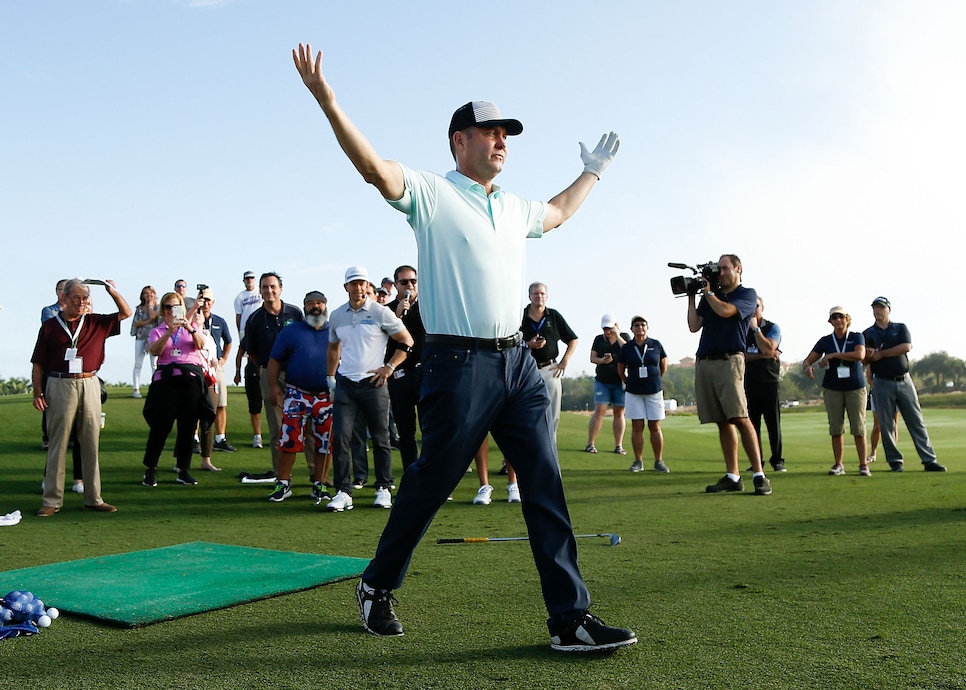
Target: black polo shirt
553, 327
262, 328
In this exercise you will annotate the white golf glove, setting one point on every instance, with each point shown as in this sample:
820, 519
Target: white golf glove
596, 161
331, 381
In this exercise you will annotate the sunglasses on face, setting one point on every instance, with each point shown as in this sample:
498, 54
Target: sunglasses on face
406, 281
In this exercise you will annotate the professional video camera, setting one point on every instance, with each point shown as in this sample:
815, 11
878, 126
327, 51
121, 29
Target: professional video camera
709, 274
202, 287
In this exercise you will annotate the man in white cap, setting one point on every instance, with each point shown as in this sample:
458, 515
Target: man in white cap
358, 369
470, 236
246, 303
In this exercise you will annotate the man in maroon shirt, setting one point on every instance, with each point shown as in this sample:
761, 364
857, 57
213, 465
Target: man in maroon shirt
70, 348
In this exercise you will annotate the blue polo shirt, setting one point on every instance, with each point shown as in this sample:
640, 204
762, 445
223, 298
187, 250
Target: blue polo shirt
882, 339
218, 328
301, 351
856, 377
472, 255
721, 336
649, 356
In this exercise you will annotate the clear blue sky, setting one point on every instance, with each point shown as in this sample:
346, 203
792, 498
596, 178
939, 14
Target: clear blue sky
823, 142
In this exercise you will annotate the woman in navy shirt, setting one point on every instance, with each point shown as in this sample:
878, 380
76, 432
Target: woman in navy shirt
843, 388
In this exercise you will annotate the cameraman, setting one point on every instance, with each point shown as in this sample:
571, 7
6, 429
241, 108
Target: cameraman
722, 316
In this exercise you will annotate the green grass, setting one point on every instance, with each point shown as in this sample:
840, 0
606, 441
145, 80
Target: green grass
832, 582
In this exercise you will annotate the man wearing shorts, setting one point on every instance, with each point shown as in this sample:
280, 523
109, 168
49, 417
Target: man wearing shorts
641, 365
299, 351
218, 328
722, 316
246, 303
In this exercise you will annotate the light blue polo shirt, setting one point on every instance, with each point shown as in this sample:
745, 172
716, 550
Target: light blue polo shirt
472, 253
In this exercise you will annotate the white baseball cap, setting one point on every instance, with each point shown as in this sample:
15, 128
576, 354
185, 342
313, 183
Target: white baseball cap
356, 273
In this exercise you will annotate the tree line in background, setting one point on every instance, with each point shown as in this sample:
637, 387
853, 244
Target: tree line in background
937, 372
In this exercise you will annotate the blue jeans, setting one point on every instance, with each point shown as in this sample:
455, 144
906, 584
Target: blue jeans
465, 394
352, 400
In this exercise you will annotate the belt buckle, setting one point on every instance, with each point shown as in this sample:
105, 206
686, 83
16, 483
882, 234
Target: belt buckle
509, 342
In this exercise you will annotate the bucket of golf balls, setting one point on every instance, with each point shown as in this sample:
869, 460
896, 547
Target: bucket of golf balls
21, 613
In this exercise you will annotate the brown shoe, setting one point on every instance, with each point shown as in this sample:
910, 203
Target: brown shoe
102, 508
47, 511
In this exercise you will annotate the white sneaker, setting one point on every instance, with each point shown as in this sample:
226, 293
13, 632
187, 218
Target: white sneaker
257, 441
483, 496
513, 493
342, 501
137, 393
78, 488
383, 498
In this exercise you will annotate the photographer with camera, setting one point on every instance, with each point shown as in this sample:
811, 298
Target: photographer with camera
722, 316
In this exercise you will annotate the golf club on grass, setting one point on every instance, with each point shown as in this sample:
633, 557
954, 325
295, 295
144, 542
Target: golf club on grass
614, 539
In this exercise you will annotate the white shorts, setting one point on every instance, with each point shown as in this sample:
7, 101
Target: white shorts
649, 406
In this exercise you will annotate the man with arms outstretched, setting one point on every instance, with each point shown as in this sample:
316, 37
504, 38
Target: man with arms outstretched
476, 378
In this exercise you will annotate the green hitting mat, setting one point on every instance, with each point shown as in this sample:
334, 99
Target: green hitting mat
145, 587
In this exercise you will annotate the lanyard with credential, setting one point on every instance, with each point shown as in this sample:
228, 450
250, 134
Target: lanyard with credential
845, 342
641, 354
76, 334
538, 326
844, 369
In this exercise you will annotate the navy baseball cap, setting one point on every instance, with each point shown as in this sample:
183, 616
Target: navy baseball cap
482, 114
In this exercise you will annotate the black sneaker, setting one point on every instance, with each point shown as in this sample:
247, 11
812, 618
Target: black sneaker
282, 491
725, 484
196, 448
184, 477
320, 494
588, 634
224, 446
375, 608
934, 466
150, 477
897, 466
779, 466
762, 486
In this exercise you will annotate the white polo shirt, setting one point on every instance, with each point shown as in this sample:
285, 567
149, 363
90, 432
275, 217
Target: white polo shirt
363, 333
472, 254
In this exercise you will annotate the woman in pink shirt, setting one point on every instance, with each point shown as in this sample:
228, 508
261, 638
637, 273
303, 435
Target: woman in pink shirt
178, 391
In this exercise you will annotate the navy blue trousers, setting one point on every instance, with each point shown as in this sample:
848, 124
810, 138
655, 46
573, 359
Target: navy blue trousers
465, 394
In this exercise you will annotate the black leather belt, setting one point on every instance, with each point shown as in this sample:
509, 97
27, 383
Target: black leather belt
314, 394
492, 344
723, 355
898, 378
541, 365
62, 375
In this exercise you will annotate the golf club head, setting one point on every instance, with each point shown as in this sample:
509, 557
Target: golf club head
614, 540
